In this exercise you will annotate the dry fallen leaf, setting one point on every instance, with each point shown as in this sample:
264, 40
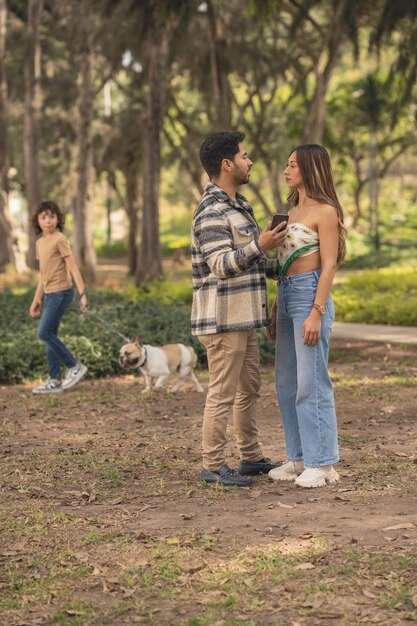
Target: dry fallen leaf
74, 612
400, 526
286, 506
303, 566
187, 515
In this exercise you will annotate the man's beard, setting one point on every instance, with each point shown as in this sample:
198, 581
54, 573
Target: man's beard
240, 177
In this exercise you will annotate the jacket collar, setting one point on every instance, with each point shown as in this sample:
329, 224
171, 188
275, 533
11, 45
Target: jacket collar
222, 196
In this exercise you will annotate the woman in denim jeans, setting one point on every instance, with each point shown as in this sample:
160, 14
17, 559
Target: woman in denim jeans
57, 265
303, 318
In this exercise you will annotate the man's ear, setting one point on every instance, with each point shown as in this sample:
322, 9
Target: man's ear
139, 341
227, 165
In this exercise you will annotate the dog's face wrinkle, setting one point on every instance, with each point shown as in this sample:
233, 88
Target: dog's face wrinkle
130, 357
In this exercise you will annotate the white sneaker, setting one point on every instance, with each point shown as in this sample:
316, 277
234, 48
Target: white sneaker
74, 375
317, 476
288, 471
51, 386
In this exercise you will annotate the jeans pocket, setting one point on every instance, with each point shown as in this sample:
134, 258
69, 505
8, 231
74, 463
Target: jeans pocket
304, 287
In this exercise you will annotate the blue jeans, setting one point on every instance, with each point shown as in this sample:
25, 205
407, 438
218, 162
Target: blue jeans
304, 388
54, 307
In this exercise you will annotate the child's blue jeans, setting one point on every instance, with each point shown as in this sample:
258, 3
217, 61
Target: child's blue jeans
54, 307
304, 388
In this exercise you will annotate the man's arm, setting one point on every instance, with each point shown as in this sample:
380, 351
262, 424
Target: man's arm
215, 238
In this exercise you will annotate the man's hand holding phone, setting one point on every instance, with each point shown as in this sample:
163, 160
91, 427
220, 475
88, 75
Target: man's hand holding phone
272, 235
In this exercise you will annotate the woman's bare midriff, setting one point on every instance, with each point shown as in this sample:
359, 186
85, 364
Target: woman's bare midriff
304, 264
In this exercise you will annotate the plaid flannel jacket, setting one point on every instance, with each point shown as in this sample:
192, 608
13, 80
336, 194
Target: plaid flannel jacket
229, 268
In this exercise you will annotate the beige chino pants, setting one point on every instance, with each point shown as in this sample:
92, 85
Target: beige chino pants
234, 383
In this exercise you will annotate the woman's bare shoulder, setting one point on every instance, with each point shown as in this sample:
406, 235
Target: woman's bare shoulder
326, 211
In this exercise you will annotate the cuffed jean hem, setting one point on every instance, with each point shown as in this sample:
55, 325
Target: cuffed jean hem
324, 463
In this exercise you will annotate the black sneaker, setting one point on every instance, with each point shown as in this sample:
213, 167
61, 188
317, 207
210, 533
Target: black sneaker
225, 476
253, 468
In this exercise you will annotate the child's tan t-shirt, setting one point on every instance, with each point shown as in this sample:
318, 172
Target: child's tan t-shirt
51, 252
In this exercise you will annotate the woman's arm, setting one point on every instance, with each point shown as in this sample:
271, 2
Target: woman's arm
328, 229
78, 279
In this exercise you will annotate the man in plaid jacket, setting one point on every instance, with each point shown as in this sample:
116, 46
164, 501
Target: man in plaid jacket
229, 302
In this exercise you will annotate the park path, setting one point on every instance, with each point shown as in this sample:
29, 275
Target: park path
374, 332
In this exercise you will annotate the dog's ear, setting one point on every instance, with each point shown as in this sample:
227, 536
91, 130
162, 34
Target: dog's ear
139, 341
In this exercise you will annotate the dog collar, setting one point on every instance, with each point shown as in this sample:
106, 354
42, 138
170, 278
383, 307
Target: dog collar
144, 358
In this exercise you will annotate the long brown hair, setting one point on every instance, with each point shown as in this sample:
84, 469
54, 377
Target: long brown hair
316, 172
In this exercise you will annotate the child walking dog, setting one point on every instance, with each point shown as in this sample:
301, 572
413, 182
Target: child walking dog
57, 265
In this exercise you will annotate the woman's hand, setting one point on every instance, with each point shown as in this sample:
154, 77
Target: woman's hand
311, 328
271, 331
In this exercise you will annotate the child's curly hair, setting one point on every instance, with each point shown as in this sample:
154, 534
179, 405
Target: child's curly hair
48, 205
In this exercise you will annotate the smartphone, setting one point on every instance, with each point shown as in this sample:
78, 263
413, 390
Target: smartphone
277, 219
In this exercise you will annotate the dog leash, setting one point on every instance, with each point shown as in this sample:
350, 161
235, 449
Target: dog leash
108, 325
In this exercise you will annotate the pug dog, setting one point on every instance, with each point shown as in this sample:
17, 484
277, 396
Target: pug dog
159, 362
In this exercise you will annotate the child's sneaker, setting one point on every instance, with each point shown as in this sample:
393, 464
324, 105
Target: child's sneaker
74, 375
51, 386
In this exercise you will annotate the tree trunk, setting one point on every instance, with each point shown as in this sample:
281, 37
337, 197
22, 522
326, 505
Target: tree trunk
132, 214
218, 67
33, 103
83, 241
266, 209
149, 264
373, 190
6, 235
314, 125
274, 176
360, 183
4, 164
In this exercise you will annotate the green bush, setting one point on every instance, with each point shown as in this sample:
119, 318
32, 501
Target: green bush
111, 250
162, 290
22, 355
385, 296
160, 312
158, 320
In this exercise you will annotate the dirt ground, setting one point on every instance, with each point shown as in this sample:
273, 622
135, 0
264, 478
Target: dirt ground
103, 519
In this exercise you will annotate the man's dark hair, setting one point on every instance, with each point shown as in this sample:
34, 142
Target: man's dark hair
48, 205
216, 147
